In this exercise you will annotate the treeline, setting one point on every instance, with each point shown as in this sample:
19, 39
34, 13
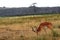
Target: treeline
28, 11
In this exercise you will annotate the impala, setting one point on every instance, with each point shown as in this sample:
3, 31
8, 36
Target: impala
42, 25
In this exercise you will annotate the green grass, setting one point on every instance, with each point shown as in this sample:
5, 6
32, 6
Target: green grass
32, 18
23, 19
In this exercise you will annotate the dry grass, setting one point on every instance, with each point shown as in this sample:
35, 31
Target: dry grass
19, 28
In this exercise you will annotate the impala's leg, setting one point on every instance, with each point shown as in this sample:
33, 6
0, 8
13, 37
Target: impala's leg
45, 30
50, 27
52, 31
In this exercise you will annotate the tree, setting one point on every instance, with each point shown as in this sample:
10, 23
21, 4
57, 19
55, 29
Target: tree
34, 4
34, 7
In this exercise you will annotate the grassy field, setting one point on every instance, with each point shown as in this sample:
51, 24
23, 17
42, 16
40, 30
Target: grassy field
20, 27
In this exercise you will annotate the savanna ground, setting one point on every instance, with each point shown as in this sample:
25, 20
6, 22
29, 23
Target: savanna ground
20, 27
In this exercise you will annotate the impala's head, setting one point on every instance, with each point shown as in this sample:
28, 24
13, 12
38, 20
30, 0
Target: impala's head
34, 29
